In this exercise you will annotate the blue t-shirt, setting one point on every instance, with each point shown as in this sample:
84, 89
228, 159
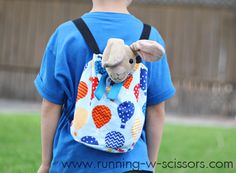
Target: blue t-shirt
65, 57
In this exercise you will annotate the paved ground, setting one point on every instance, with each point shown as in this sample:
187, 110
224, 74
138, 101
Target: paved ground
202, 120
16, 106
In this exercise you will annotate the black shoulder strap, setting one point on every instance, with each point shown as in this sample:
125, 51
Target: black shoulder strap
146, 32
144, 36
87, 35
90, 40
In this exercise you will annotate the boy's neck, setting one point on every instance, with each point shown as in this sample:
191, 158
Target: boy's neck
110, 6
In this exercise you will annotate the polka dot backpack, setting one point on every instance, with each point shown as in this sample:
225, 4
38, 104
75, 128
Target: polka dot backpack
112, 125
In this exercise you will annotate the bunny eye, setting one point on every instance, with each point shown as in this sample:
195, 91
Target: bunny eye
131, 61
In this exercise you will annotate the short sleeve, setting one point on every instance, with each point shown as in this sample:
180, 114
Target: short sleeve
46, 81
160, 86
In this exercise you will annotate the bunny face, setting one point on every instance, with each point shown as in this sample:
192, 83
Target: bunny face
120, 72
118, 60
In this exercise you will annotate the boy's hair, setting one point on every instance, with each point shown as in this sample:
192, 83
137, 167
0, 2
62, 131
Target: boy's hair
128, 2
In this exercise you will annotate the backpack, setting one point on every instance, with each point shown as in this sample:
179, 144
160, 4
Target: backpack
111, 120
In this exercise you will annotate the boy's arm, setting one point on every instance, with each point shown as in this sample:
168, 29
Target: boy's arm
50, 114
154, 128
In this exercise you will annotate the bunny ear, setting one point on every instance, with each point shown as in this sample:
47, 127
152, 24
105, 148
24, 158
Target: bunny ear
111, 55
149, 50
106, 53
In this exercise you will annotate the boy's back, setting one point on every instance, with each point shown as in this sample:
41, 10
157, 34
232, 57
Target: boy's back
62, 66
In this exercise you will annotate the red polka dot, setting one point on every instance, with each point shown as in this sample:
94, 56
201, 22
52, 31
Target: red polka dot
94, 86
136, 91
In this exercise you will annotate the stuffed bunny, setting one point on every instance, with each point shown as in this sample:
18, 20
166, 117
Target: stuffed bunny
119, 59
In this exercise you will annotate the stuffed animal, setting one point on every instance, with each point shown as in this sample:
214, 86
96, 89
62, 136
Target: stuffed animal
119, 59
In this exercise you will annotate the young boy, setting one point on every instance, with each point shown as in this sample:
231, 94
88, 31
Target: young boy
57, 82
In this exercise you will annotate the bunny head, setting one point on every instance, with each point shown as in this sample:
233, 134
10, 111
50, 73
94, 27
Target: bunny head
118, 60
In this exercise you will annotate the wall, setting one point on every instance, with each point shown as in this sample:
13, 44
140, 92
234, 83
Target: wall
200, 40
